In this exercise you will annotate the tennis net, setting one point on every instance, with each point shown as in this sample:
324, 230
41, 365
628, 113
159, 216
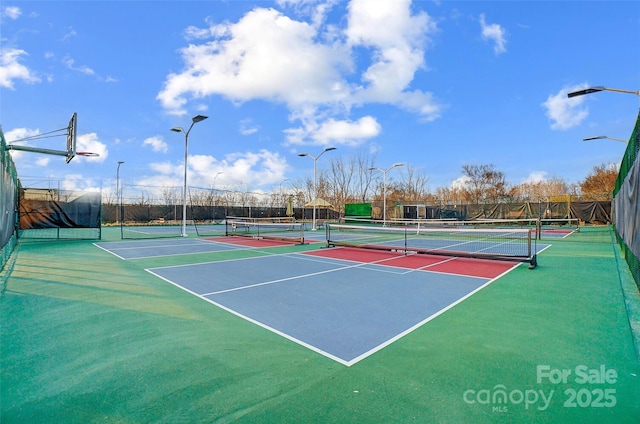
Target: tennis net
283, 231
510, 244
540, 226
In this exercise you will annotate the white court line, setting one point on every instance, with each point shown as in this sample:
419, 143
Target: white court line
194, 242
322, 352
358, 265
421, 323
258, 323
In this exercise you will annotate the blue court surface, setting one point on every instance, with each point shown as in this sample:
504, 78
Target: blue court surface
343, 309
152, 248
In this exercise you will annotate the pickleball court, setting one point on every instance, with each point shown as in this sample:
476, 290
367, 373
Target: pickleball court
342, 302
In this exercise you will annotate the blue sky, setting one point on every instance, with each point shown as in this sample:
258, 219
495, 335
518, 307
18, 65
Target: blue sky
432, 84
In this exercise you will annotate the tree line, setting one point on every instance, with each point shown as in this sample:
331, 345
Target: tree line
351, 179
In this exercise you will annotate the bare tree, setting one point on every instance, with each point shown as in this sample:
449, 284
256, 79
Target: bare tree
554, 189
171, 195
452, 195
484, 182
414, 186
363, 178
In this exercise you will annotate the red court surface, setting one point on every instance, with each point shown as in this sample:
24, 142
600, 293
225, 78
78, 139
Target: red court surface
450, 265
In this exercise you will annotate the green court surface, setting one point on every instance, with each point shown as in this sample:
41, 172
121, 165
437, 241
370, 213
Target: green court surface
89, 338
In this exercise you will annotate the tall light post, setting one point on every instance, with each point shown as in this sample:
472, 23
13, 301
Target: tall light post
118, 194
214, 202
315, 184
384, 189
281, 193
601, 137
596, 89
214, 179
194, 120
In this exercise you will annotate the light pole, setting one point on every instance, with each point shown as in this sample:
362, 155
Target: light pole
214, 198
118, 194
601, 137
214, 179
194, 120
600, 88
384, 189
315, 184
281, 193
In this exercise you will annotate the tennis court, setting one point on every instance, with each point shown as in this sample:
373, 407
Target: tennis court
340, 308
242, 329
344, 303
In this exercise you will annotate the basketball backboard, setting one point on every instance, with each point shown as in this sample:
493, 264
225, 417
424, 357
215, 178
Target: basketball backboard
71, 137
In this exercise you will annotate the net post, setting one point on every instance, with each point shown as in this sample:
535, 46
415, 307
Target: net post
533, 262
406, 245
327, 232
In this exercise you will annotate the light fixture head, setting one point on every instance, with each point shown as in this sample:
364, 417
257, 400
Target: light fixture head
586, 91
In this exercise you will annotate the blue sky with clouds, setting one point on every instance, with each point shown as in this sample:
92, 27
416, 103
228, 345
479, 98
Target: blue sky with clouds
432, 84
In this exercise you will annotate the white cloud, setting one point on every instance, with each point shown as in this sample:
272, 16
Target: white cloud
157, 144
265, 55
84, 143
164, 168
398, 41
263, 169
43, 161
248, 127
307, 66
69, 34
250, 169
535, 177
566, 112
80, 182
460, 182
70, 64
334, 132
19, 134
11, 69
90, 143
11, 12
495, 33
315, 9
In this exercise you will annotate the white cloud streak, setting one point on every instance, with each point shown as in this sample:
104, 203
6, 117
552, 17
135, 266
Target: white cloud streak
494, 33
